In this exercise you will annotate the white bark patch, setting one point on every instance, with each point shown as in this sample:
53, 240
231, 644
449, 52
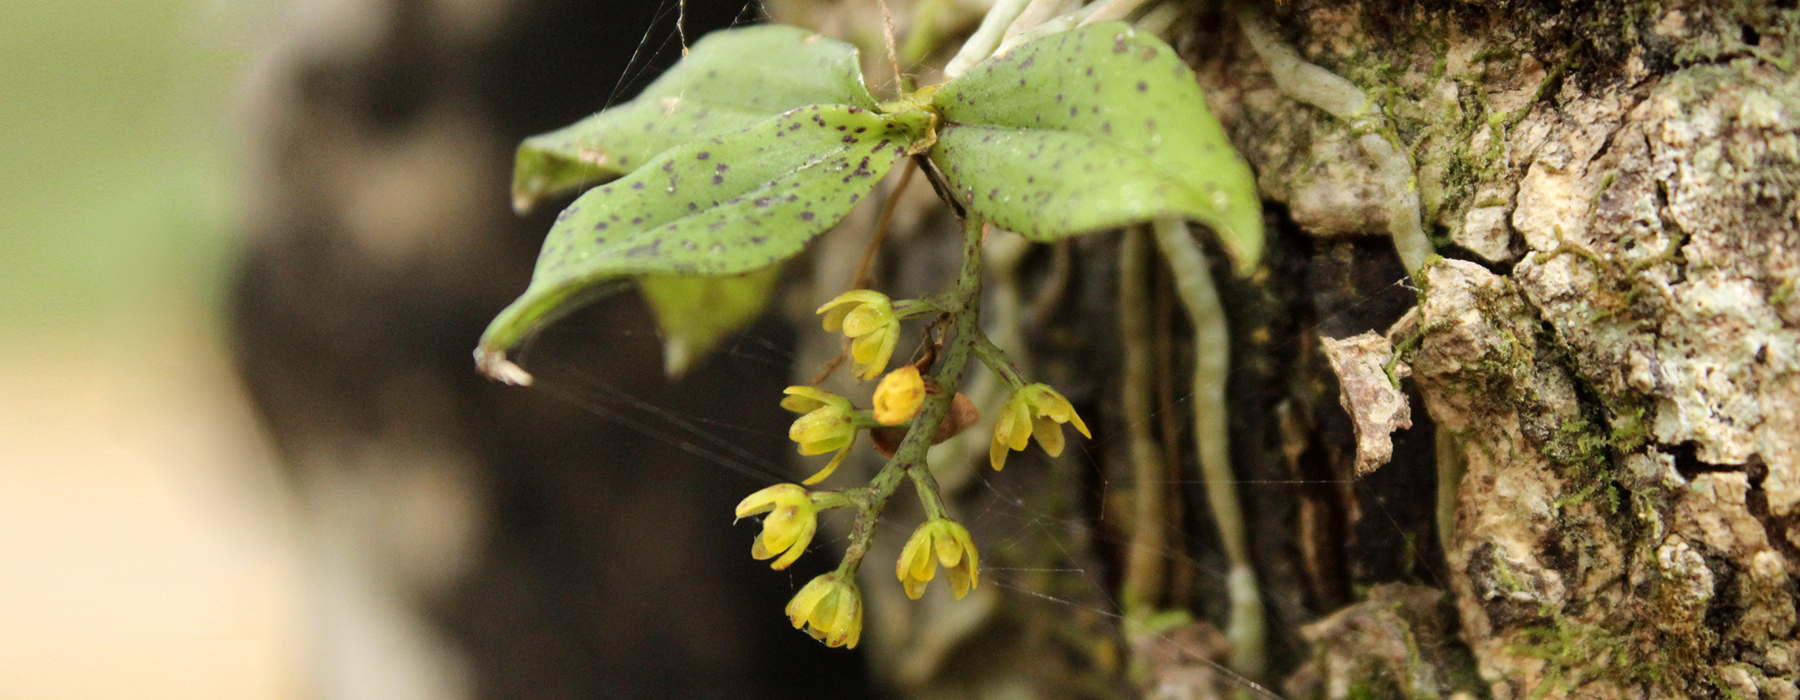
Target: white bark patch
1376, 406
1667, 278
1485, 232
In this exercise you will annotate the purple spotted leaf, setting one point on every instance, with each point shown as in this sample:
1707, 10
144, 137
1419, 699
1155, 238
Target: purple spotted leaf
1093, 129
714, 207
730, 80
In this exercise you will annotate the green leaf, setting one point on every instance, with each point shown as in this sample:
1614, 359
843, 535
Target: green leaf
725, 205
696, 313
730, 80
1093, 129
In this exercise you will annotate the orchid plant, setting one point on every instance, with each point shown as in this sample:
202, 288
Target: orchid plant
725, 167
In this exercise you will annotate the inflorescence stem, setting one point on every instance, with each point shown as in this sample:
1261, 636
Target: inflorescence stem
909, 458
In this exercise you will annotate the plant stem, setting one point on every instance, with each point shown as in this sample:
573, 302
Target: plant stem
908, 309
909, 458
1212, 355
1142, 589
1450, 470
927, 487
829, 500
867, 265
1181, 578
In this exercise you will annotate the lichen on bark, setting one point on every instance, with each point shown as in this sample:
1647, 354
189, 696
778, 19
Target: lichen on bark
1614, 354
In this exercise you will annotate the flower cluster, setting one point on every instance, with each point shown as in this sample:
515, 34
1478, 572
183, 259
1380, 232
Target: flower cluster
1034, 409
830, 607
938, 541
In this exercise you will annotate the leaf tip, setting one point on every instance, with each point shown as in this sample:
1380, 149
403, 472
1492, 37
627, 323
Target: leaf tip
1244, 245
523, 202
678, 357
493, 363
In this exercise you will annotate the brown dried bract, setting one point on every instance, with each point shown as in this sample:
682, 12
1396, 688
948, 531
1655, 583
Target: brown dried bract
962, 414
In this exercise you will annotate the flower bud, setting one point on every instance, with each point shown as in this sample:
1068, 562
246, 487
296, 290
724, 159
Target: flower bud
899, 396
961, 415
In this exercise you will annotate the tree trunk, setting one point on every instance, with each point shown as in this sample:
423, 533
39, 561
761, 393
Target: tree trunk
1598, 494
1606, 357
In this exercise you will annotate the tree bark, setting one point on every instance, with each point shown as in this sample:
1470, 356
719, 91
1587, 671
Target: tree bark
1606, 352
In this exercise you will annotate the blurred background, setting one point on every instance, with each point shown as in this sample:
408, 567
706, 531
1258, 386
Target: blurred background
245, 247
147, 547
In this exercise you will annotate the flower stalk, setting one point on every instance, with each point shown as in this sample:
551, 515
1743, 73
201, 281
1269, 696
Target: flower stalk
909, 458
997, 362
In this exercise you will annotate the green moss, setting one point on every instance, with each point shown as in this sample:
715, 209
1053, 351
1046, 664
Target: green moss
1577, 654
1577, 444
1724, 688
1630, 424
1500, 53
1504, 574
1376, 687
1780, 297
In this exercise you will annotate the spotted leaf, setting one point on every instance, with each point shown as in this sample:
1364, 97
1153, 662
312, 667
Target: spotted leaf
730, 80
719, 206
695, 314
1093, 129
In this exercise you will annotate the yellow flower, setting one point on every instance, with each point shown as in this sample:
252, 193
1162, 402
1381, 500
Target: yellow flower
789, 526
829, 424
899, 396
1032, 410
830, 607
868, 317
952, 548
